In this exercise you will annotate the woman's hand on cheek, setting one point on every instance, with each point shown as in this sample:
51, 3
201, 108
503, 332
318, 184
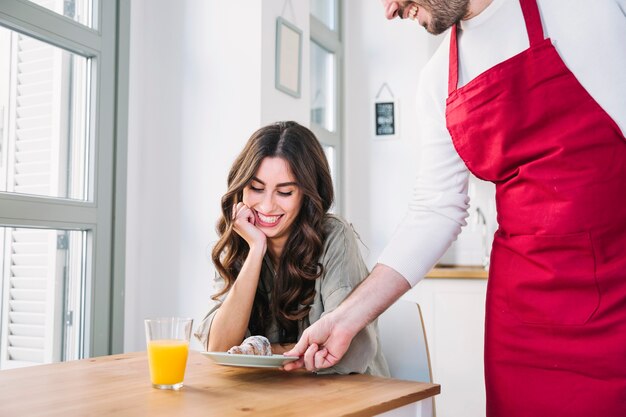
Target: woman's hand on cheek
244, 225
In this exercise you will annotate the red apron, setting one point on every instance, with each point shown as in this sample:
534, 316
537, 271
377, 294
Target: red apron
555, 328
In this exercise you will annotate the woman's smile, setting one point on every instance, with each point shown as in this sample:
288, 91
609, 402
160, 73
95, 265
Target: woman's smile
263, 220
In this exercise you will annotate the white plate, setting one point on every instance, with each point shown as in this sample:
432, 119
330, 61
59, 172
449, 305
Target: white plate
255, 361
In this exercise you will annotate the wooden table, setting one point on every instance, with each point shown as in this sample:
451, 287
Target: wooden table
119, 385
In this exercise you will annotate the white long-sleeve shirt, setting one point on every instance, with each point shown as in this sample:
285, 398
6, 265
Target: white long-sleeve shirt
590, 37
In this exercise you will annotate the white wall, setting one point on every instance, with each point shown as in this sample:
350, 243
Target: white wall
201, 81
154, 171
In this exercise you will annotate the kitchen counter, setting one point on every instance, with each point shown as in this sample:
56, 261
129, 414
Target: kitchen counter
458, 272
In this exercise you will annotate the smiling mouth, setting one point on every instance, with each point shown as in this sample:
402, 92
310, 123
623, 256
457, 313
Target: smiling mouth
411, 12
267, 220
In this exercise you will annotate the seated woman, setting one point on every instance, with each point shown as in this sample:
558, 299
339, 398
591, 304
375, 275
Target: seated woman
282, 260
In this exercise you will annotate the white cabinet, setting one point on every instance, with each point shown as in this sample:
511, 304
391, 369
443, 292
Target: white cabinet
454, 315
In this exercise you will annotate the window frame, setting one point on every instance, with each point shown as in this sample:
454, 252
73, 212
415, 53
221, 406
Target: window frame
331, 40
104, 215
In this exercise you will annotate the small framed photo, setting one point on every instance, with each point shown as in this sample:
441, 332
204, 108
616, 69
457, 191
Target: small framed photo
288, 57
385, 119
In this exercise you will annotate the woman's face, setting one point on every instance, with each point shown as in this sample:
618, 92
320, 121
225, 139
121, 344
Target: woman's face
274, 197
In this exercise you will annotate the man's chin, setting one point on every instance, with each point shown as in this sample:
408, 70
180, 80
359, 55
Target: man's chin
436, 29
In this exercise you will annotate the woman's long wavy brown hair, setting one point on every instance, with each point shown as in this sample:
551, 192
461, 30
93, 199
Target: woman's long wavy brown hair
298, 268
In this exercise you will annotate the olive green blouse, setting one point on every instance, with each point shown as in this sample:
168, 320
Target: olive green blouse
344, 269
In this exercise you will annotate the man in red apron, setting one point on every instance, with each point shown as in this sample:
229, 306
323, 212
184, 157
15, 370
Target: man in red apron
555, 339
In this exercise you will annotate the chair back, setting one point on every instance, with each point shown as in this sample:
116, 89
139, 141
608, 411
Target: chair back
404, 344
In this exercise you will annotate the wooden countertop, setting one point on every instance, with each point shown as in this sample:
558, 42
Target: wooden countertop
120, 385
458, 272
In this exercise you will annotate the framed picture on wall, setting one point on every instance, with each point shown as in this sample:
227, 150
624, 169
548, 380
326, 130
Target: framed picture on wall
386, 119
385, 114
288, 57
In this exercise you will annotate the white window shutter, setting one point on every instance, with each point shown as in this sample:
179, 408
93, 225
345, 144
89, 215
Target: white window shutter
32, 296
31, 299
37, 136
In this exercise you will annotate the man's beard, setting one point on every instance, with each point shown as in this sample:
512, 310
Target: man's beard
444, 14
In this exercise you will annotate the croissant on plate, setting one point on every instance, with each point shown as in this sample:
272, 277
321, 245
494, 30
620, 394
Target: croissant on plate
253, 345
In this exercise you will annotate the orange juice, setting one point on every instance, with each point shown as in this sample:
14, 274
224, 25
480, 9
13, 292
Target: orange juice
167, 359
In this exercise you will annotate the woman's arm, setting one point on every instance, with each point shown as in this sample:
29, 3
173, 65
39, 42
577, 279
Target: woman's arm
230, 322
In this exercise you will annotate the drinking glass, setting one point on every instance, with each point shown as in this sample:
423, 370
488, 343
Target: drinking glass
168, 346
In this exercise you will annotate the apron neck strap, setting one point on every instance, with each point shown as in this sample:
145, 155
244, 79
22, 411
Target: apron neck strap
533, 21
453, 66
533, 28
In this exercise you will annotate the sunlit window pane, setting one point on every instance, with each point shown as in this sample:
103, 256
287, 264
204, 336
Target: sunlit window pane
80, 11
42, 295
323, 87
325, 12
43, 118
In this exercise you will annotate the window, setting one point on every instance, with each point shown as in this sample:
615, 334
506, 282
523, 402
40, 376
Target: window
323, 85
326, 12
80, 11
58, 141
44, 102
326, 52
43, 292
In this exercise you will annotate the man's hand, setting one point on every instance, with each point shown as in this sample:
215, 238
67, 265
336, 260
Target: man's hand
322, 345
325, 342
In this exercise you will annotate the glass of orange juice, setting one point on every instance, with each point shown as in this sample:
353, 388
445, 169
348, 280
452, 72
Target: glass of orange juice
168, 347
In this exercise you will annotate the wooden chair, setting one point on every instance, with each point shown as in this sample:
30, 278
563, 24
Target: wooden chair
405, 347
